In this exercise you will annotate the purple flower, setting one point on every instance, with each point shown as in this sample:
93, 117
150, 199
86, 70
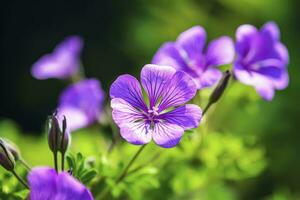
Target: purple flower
62, 63
163, 116
81, 103
187, 54
261, 59
46, 184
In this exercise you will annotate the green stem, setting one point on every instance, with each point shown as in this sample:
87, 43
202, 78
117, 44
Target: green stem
123, 174
20, 179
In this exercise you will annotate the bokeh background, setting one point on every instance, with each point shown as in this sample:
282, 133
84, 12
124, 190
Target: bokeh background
120, 37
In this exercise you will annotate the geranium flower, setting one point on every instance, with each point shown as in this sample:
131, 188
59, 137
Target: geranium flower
81, 103
165, 117
46, 184
62, 63
261, 59
187, 54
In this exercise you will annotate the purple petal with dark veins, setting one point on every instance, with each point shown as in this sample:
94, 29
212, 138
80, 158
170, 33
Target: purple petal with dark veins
129, 89
154, 78
167, 135
178, 90
188, 116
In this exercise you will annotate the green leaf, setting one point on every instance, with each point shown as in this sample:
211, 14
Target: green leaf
88, 176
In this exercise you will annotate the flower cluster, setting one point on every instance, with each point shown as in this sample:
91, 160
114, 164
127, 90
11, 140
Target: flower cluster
156, 108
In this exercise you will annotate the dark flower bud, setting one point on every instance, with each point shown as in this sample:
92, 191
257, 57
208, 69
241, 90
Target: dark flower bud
54, 133
7, 159
13, 149
59, 136
218, 91
65, 139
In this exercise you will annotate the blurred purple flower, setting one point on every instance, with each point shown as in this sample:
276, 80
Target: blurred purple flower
81, 103
62, 63
165, 117
261, 59
46, 184
187, 54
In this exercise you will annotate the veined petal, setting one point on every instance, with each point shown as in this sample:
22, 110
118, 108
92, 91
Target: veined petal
272, 29
167, 135
138, 132
178, 90
42, 183
70, 188
133, 127
123, 112
128, 88
192, 41
154, 78
188, 116
220, 52
169, 55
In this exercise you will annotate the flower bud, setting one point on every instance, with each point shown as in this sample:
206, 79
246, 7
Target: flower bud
7, 159
218, 91
54, 133
59, 136
65, 139
13, 149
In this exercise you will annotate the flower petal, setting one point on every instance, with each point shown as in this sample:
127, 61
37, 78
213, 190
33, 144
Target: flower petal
128, 88
169, 55
282, 52
210, 77
87, 97
192, 41
123, 112
42, 182
62, 63
266, 91
220, 52
70, 188
138, 132
76, 118
244, 36
263, 85
188, 116
272, 29
167, 135
133, 127
177, 91
154, 78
